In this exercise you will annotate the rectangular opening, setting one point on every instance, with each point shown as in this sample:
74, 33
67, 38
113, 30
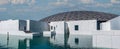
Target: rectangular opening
76, 41
51, 27
98, 24
76, 27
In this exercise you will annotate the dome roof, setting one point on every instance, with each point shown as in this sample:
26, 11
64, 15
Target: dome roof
80, 15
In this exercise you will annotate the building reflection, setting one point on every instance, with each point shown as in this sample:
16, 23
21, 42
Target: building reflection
14, 42
72, 41
56, 41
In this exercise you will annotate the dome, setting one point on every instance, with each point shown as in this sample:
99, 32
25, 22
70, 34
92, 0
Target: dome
80, 15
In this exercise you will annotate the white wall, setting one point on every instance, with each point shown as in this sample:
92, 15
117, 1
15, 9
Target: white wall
106, 39
84, 25
13, 27
59, 27
9, 25
105, 26
113, 24
58, 38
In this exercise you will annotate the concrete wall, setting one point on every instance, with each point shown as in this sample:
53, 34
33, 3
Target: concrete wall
13, 27
89, 25
9, 25
57, 26
44, 26
105, 26
32, 26
113, 24
22, 25
83, 39
106, 39
36, 26
84, 25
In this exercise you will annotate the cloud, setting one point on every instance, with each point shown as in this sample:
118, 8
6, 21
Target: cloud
22, 2
115, 1
29, 2
2, 2
105, 5
30, 9
62, 3
59, 2
86, 1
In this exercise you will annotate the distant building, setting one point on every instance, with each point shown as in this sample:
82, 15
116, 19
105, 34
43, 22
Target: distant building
21, 27
78, 21
98, 29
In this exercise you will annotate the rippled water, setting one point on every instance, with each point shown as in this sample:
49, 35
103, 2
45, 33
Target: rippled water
52, 42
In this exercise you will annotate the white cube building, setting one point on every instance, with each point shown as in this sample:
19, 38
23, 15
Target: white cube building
22, 27
97, 28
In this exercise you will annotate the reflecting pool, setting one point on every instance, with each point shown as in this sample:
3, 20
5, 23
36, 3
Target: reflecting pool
53, 42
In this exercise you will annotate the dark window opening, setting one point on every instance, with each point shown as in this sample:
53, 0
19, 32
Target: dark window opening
54, 28
51, 27
98, 24
76, 41
76, 27
24, 28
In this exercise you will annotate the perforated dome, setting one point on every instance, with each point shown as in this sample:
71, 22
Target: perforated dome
80, 15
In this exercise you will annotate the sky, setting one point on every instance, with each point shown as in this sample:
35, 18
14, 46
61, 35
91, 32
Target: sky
38, 9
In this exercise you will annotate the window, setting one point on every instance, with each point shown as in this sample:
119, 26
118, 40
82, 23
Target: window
98, 25
24, 28
76, 27
76, 41
54, 28
51, 27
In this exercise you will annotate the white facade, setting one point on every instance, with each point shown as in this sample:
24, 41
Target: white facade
83, 25
107, 37
105, 26
13, 27
57, 27
113, 24
22, 27
84, 37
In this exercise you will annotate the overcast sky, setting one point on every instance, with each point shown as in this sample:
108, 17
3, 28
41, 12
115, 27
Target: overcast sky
38, 9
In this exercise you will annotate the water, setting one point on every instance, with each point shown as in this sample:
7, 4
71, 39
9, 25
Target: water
53, 42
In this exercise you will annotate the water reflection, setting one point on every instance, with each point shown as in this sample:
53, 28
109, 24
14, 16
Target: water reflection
54, 42
12, 42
